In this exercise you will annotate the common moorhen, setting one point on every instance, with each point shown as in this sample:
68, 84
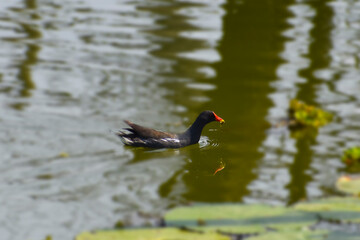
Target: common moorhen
140, 136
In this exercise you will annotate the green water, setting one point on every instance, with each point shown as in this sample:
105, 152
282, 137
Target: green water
73, 70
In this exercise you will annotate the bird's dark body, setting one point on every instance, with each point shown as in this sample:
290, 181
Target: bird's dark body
139, 136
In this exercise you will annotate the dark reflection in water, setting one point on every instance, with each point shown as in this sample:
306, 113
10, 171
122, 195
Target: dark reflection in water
319, 50
248, 65
319, 53
188, 33
25, 70
32, 33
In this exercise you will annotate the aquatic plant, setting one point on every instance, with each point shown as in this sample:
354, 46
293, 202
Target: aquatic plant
351, 156
330, 218
301, 115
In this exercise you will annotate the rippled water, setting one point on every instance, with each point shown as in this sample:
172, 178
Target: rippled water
73, 70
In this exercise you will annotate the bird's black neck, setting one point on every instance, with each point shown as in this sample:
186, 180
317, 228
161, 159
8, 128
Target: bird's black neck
193, 133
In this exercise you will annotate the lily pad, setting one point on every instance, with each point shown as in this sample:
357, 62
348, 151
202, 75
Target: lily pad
334, 204
304, 221
151, 234
349, 184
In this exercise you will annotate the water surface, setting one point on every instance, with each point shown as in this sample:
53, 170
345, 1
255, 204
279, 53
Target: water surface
73, 70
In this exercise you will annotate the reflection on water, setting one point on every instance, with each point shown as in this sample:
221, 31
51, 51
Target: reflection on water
307, 167
72, 70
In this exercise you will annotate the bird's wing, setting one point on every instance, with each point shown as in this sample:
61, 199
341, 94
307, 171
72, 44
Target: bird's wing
147, 132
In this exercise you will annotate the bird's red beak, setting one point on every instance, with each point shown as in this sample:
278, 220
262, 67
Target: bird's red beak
219, 119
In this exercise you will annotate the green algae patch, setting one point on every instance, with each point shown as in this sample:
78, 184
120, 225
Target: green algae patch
151, 234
